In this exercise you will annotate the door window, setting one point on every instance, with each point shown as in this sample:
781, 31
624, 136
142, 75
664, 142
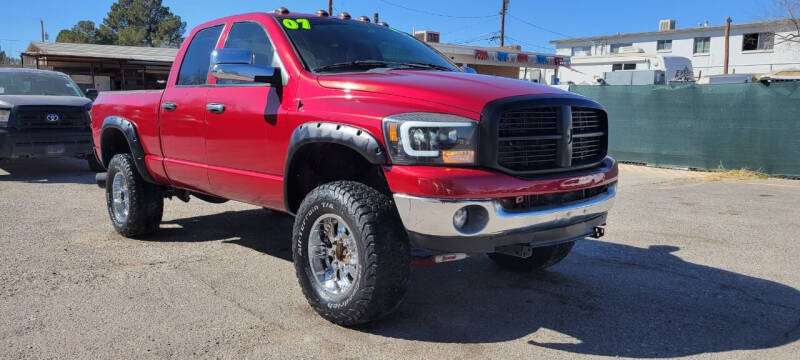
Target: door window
251, 36
194, 69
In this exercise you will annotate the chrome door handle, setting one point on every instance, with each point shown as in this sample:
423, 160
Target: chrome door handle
169, 106
215, 108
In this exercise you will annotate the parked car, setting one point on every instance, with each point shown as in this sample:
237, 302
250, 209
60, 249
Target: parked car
384, 151
44, 114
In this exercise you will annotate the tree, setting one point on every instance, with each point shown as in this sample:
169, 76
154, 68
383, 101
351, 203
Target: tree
130, 22
5, 60
790, 10
85, 32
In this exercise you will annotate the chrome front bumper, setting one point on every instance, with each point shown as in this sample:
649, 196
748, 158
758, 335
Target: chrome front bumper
433, 218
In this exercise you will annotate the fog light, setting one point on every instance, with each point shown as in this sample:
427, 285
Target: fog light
460, 217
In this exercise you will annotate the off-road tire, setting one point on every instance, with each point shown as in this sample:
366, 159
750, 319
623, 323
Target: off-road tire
542, 258
383, 252
146, 199
94, 164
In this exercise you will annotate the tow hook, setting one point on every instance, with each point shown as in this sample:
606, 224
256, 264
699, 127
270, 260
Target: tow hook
100, 179
428, 261
598, 233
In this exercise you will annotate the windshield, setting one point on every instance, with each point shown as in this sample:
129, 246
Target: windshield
37, 83
333, 45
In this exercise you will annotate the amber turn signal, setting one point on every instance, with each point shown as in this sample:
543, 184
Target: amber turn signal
458, 157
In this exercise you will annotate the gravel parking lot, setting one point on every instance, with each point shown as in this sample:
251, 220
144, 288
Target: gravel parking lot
689, 267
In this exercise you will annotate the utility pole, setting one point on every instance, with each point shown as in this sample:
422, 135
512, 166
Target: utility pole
41, 22
330, 7
503, 24
727, 44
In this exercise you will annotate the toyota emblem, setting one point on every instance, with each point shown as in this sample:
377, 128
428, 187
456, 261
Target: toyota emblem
53, 117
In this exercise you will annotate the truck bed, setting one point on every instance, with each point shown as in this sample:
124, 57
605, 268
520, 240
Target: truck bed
140, 107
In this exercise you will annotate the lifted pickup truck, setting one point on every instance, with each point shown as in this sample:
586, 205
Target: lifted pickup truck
386, 153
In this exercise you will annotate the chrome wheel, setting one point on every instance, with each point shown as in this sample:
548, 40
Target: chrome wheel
333, 255
120, 200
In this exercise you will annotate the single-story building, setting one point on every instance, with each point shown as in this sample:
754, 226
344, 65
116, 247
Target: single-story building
104, 67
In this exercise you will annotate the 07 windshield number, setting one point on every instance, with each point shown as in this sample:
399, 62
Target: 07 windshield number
294, 24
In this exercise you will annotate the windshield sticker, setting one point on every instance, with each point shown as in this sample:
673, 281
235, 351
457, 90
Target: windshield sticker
294, 24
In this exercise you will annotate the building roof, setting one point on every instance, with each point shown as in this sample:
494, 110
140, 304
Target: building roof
138, 53
669, 32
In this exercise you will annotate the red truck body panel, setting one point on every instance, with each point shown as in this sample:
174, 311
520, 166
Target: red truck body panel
471, 183
241, 154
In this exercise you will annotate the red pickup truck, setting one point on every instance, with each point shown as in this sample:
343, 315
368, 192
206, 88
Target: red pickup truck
385, 151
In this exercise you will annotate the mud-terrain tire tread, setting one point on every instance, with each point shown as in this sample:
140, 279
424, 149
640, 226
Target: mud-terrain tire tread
542, 258
386, 258
146, 200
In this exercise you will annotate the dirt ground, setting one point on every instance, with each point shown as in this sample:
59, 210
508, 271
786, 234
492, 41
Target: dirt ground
688, 267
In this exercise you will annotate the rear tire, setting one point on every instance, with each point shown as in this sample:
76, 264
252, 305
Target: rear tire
542, 258
341, 290
134, 205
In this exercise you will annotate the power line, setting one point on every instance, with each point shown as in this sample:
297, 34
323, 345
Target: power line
434, 13
539, 27
460, 28
529, 44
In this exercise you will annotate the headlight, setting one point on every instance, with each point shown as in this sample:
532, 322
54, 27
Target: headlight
4, 115
431, 138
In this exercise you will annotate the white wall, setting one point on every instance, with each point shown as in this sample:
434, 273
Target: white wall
783, 55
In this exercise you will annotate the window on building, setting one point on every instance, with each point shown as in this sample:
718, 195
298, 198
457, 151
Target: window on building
664, 45
581, 51
620, 67
702, 45
615, 47
758, 41
194, 68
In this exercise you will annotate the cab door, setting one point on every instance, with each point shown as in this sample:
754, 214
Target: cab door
183, 114
242, 118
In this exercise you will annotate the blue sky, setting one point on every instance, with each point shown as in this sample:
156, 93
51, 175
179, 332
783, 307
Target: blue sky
532, 23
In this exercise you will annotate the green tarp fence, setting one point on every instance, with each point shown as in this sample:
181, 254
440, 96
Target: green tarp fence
753, 126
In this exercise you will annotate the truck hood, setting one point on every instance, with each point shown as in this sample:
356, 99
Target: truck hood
463, 90
9, 101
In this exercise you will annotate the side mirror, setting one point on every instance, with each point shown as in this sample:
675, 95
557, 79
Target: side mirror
237, 65
469, 70
91, 93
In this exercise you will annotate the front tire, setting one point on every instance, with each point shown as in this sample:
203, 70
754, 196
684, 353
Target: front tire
351, 255
542, 258
134, 205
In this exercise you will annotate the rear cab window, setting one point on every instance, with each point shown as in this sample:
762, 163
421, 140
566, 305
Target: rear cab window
195, 66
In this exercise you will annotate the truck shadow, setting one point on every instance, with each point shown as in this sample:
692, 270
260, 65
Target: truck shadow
604, 299
47, 171
255, 229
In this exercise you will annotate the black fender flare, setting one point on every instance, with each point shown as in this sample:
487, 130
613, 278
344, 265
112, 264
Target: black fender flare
128, 130
357, 139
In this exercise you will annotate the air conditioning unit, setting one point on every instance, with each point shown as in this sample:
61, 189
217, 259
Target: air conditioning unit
666, 25
427, 36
